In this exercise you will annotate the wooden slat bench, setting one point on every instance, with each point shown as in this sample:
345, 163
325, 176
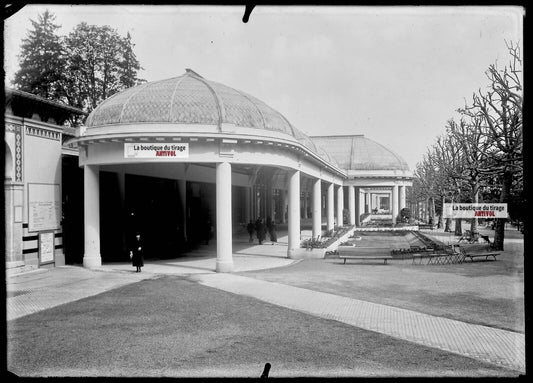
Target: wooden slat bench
361, 253
477, 252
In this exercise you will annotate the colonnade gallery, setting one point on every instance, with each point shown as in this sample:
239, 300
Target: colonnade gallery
170, 158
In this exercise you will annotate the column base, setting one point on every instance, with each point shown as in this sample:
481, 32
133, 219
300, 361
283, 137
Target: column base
294, 253
92, 261
224, 266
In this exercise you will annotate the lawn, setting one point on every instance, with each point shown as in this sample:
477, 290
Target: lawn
488, 293
172, 327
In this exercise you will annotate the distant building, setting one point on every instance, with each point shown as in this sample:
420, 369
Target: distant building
34, 157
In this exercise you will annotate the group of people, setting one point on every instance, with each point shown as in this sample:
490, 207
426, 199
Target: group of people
261, 229
135, 241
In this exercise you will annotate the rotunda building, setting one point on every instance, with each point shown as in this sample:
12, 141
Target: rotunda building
227, 158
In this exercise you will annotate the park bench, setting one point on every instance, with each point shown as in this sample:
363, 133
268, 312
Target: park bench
426, 226
478, 251
440, 255
361, 253
469, 236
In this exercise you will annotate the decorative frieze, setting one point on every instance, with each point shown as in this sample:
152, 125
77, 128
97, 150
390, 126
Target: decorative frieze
12, 128
43, 133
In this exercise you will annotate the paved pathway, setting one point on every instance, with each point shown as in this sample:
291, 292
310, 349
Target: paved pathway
42, 289
504, 348
46, 288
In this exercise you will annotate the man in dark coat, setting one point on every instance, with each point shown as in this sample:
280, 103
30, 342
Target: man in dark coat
250, 229
136, 252
260, 230
272, 232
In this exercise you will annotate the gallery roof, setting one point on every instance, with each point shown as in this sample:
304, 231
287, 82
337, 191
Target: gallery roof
191, 99
356, 152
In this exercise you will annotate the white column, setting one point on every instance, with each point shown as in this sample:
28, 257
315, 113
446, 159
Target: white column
317, 200
361, 206
224, 224
402, 197
340, 205
367, 203
13, 204
351, 204
91, 206
294, 212
394, 203
182, 188
330, 207
358, 210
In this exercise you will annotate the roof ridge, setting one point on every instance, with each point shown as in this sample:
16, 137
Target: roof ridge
247, 96
172, 97
218, 100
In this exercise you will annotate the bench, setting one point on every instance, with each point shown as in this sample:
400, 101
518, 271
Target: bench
356, 252
426, 226
476, 253
384, 257
440, 255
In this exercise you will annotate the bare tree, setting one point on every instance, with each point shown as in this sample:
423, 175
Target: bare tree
499, 111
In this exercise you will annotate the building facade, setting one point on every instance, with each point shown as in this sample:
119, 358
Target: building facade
170, 158
34, 134
196, 131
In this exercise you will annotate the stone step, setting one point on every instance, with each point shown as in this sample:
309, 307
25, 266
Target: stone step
20, 269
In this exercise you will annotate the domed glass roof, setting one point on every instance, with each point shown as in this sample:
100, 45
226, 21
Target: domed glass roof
191, 99
360, 153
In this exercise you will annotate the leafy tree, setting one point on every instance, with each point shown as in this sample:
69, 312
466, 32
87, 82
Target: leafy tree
42, 59
101, 63
82, 69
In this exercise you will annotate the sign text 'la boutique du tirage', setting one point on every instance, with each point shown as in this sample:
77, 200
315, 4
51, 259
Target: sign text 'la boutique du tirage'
156, 150
475, 210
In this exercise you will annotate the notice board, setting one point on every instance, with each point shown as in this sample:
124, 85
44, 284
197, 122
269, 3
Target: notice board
46, 247
44, 207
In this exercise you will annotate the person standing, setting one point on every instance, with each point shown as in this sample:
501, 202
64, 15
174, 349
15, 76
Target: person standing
272, 232
136, 252
250, 229
260, 230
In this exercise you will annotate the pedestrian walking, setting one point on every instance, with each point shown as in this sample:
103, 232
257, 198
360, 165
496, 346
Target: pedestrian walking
136, 252
272, 232
250, 229
260, 230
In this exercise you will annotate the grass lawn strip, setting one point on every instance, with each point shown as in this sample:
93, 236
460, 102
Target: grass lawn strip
172, 327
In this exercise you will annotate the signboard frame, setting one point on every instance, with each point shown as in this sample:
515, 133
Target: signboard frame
45, 237
55, 191
156, 150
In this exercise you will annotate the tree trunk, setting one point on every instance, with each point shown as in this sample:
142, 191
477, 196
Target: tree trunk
448, 226
439, 223
499, 229
458, 226
475, 199
432, 210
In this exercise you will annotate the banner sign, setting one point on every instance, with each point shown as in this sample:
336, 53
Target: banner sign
475, 210
156, 150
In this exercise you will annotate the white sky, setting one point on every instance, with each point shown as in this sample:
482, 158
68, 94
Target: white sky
394, 74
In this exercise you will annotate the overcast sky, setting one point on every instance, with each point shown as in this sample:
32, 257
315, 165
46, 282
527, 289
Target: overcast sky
394, 74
